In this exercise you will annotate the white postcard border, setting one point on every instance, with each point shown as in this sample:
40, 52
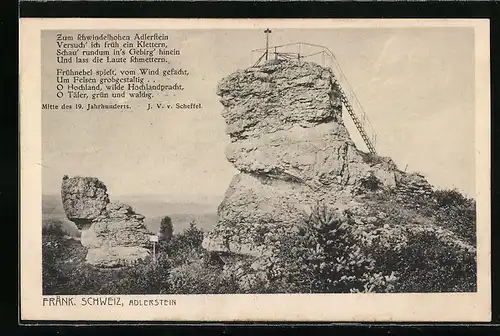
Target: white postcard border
268, 307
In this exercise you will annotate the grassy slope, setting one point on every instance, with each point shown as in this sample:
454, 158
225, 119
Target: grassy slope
440, 253
455, 215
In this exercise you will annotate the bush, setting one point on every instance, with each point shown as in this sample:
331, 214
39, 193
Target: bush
457, 213
78, 278
53, 227
370, 158
192, 236
181, 245
430, 248
196, 277
145, 278
427, 264
383, 247
325, 257
451, 197
371, 183
64, 269
50, 272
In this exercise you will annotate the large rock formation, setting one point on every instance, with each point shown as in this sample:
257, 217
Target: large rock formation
292, 149
114, 234
84, 199
295, 157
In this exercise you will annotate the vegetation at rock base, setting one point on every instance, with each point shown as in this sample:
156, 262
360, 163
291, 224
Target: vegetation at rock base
52, 227
325, 257
419, 245
370, 183
181, 267
438, 251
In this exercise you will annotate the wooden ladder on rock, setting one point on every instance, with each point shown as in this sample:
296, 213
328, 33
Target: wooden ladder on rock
355, 119
352, 105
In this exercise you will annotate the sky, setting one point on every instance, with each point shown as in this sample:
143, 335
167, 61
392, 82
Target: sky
415, 84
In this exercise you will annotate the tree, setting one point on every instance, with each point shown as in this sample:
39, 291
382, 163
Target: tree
166, 229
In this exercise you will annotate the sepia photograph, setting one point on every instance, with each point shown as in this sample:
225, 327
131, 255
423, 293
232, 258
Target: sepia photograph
259, 161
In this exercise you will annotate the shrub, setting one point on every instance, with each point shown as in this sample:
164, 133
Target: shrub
183, 243
325, 257
52, 227
457, 213
371, 158
145, 278
451, 197
192, 235
64, 270
427, 264
371, 183
196, 277
50, 271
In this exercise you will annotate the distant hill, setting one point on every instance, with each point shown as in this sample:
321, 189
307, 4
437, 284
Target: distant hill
153, 208
158, 206
52, 205
53, 213
181, 213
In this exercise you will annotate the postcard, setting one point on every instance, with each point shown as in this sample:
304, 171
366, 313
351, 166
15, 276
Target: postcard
255, 170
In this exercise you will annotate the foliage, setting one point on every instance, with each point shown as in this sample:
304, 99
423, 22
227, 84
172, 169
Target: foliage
181, 246
181, 267
431, 246
53, 227
166, 229
457, 213
325, 257
448, 209
371, 183
51, 276
383, 246
427, 264
59, 274
192, 236
431, 266
371, 158
196, 277
63, 275
452, 197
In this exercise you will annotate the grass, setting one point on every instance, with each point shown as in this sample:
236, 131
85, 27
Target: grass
182, 267
421, 244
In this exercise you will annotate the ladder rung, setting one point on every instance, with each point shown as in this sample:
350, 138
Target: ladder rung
357, 123
355, 119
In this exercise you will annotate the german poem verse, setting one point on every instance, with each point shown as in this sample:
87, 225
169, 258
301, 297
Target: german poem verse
126, 70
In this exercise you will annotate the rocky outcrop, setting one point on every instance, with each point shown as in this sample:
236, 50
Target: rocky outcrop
301, 176
292, 149
84, 199
114, 234
413, 184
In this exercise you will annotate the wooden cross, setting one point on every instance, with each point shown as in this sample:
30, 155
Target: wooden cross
267, 32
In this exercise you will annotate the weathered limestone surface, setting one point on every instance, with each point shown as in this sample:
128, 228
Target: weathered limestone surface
292, 149
113, 232
84, 199
293, 152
